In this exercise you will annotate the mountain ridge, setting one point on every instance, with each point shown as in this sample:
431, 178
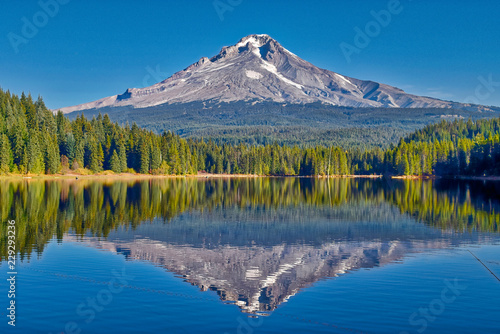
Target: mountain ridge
259, 69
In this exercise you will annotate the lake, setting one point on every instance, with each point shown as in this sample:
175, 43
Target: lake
252, 255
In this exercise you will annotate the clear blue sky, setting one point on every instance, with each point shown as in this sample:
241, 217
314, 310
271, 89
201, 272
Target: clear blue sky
92, 49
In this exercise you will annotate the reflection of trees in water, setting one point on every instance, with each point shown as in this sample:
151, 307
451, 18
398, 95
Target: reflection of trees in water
43, 209
450, 204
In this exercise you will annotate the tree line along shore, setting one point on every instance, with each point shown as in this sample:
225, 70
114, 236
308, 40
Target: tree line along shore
35, 141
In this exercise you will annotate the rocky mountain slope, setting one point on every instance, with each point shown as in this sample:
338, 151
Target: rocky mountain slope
259, 69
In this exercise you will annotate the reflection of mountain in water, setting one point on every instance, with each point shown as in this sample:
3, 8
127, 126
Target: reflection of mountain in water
256, 241
258, 260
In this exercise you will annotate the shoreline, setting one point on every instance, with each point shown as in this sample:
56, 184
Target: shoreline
121, 176
131, 176
416, 177
128, 176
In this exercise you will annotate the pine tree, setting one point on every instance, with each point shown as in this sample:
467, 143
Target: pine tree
155, 156
69, 146
18, 143
6, 159
344, 169
100, 156
115, 163
52, 157
79, 153
219, 163
122, 158
145, 152
34, 156
10, 119
173, 157
96, 157
30, 111
406, 165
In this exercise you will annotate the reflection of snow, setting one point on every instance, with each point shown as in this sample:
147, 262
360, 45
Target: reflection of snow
259, 278
252, 273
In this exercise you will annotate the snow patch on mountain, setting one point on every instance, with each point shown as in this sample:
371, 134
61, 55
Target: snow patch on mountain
271, 68
253, 75
344, 79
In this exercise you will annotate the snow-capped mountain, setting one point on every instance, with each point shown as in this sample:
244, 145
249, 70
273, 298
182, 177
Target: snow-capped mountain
258, 68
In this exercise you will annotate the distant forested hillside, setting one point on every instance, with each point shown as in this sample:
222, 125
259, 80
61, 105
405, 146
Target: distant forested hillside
455, 148
34, 140
264, 123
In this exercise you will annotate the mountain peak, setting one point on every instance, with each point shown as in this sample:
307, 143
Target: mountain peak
258, 68
258, 44
256, 39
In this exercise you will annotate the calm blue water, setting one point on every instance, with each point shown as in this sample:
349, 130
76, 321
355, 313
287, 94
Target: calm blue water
359, 261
